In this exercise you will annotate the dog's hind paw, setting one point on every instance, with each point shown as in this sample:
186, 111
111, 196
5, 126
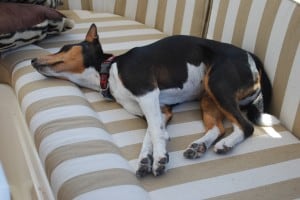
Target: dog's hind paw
145, 166
195, 150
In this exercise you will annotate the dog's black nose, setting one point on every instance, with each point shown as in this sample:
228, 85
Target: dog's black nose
33, 61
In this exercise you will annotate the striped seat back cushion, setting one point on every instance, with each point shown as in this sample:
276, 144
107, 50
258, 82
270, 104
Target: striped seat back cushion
270, 29
170, 17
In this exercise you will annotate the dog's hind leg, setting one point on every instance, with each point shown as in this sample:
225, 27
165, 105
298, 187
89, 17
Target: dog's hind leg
155, 133
213, 122
223, 89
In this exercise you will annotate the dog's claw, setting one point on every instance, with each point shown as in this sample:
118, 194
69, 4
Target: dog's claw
195, 151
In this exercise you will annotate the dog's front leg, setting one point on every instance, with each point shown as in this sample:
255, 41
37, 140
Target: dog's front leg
155, 138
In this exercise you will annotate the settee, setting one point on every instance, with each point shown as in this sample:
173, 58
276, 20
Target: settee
67, 142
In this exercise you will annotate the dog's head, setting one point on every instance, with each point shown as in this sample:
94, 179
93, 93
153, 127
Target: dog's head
79, 63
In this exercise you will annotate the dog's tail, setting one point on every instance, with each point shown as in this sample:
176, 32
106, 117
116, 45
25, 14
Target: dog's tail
258, 109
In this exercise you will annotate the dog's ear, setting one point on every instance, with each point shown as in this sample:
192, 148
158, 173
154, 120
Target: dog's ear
92, 34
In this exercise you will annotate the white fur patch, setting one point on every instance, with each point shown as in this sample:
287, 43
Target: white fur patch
191, 88
230, 141
122, 94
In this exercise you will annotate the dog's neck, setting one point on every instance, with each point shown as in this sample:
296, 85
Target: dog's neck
104, 75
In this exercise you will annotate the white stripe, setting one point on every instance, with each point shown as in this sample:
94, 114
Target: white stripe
124, 192
252, 144
213, 19
114, 115
130, 9
49, 92
103, 35
74, 4
151, 13
169, 16
93, 97
188, 17
106, 24
86, 14
229, 24
58, 113
117, 46
84, 165
71, 136
126, 138
254, 19
26, 79
21, 65
103, 6
277, 37
292, 94
231, 183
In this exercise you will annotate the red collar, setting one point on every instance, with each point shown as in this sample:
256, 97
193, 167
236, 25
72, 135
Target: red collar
104, 75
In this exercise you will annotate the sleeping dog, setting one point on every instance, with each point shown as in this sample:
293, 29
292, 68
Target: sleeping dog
147, 81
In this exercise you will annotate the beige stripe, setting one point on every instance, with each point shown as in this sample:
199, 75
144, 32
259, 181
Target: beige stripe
64, 124
10, 61
76, 150
224, 166
52, 103
296, 127
219, 26
96, 180
141, 11
139, 123
132, 38
241, 22
180, 6
265, 28
120, 6
186, 116
283, 190
107, 40
86, 5
200, 18
285, 62
125, 125
41, 84
21, 72
5, 76
160, 14
101, 106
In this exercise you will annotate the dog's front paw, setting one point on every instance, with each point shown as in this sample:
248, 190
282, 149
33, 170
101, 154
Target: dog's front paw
145, 166
159, 166
195, 150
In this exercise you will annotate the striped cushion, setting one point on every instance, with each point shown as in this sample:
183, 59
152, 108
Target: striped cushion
169, 16
89, 146
270, 29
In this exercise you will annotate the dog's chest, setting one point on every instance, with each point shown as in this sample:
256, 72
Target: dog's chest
191, 89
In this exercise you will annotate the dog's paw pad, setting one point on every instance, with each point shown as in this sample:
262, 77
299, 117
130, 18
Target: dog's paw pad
145, 166
195, 151
161, 166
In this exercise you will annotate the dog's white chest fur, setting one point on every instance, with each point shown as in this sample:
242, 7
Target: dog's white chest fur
191, 90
